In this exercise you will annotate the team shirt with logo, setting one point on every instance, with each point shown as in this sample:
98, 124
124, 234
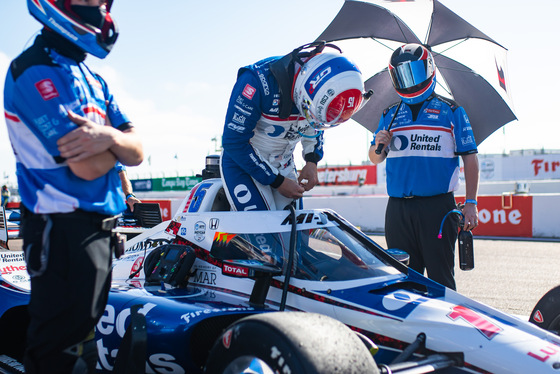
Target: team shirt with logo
422, 158
41, 86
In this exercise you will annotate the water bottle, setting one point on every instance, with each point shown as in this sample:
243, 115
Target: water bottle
466, 253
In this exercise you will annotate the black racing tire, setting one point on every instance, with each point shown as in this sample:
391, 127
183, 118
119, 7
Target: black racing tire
546, 313
290, 342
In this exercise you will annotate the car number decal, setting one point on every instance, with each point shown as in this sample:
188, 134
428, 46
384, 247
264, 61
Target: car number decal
481, 323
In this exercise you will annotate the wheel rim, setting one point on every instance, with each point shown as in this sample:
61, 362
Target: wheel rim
248, 365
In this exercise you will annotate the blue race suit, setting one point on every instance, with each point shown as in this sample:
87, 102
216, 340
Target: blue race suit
41, 86
422, 173
258, 145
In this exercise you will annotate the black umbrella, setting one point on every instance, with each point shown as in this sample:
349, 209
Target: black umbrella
375, 28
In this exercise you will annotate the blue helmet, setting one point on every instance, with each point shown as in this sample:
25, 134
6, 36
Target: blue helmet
60, 16
413, 73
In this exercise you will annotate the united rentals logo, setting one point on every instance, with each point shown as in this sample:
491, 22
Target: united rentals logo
416, 143
425, 142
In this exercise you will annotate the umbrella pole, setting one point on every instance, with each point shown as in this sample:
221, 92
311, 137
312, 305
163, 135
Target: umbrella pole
381, 145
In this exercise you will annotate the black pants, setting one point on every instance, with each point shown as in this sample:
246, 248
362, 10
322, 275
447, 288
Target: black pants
413, 226
69, 259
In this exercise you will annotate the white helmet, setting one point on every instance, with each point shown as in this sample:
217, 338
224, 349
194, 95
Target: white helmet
328, 90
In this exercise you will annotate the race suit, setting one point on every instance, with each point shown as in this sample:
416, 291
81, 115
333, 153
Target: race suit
66, 221
258, 145
422, 168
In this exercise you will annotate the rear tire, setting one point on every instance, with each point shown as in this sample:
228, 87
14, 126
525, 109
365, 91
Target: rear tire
295, 342
546, 313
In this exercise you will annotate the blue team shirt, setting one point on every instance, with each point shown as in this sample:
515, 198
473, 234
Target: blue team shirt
423, 154
36, 100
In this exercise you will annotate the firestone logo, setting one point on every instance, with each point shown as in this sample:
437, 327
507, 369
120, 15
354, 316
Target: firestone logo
545, 166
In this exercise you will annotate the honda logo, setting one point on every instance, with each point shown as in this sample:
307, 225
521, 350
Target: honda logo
214, 222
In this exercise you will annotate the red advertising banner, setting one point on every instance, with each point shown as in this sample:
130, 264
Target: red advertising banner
506, 215
164, 206
348, 175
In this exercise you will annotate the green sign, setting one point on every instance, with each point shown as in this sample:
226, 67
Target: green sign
175, 183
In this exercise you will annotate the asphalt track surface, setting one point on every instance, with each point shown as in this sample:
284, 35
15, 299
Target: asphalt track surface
509, 275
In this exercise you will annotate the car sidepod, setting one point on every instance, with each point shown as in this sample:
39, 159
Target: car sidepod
181, 324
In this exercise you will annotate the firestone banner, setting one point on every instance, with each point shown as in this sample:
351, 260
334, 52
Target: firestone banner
519, 167
506, 215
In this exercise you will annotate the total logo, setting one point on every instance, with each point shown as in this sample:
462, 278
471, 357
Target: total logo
237, 271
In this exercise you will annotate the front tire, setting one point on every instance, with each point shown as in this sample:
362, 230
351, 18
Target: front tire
289, 342
546, 313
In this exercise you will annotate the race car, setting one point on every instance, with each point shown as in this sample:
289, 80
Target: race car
291, 291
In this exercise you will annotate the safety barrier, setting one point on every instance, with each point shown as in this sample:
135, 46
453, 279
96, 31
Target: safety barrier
505, 215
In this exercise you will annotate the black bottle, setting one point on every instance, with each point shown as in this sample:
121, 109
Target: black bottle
466, 252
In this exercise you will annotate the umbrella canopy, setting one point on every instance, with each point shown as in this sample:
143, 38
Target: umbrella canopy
473, 65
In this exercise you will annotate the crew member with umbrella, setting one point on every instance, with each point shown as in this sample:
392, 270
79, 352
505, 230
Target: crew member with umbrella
471, 66
421, 137
472, 70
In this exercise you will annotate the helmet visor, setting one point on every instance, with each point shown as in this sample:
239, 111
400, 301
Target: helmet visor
315, 122
409, 74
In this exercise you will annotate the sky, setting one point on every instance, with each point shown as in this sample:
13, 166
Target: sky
175, 63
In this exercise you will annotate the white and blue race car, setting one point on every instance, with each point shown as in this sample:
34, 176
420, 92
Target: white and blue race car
216, 291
